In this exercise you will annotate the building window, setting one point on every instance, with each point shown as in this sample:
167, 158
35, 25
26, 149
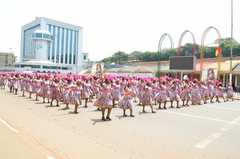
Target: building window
32, 66
46, 36
84, 57
62, 45
38, 35
70, 59
49, 67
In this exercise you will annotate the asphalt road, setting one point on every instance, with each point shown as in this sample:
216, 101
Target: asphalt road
37, 130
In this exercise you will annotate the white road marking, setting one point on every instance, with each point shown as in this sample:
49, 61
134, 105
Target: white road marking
221, 108
49, 157
9, 126
214, 136
200, 117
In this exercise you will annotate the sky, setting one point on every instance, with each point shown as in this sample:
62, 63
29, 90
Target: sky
110, 26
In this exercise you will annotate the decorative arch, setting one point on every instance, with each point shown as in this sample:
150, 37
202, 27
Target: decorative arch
125, 70
160, 50
110, 71
180, 41
202, 49
194, 46
144, 70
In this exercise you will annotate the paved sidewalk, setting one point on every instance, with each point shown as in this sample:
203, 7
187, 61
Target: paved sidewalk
14, 146
236, 96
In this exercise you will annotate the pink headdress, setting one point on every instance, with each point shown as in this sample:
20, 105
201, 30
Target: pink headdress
108, 77
69, 78
209, 81
84, 77
195, 80
149, 82
202, 82
46, 76
57, 78
175, 80
216, 81
129, 82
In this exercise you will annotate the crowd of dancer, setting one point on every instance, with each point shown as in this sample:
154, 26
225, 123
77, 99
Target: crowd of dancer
110, 91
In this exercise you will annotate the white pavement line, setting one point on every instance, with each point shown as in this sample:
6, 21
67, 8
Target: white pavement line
221, 108
49, 157
200, 117
9, 126
214, 136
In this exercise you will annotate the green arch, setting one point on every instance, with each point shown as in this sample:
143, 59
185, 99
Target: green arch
160, 51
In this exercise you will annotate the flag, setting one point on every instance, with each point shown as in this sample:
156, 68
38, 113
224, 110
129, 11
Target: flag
216, 53
220, 49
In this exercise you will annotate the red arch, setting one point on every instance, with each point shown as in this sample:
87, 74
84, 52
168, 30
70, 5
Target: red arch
194, 46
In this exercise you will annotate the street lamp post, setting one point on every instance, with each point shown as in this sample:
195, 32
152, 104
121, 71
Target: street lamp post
56, 56
230, 75
14, 58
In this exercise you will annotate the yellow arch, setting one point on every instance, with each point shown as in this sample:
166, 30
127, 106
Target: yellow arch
110, 71
144, 68
202, 50
125, 70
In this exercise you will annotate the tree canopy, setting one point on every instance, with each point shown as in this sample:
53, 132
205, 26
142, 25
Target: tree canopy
123, 58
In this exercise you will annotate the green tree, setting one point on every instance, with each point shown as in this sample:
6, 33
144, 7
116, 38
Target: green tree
227, 43
119, 57
134, 56
106, 60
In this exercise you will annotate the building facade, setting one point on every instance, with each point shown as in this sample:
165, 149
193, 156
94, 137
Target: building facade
6, 59
49, 40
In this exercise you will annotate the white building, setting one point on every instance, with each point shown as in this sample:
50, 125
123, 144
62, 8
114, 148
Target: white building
52, 41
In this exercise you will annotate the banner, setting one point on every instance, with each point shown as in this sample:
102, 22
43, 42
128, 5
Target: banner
97, 69
209, 74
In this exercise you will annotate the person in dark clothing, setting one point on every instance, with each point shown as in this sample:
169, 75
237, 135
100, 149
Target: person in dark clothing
234, 87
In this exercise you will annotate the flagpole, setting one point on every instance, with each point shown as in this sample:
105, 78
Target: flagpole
230, 75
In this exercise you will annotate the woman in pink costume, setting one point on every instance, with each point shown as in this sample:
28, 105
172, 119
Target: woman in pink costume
87, 90
230, 92
77, 94
185, 95
162, 94
23, 83
141, 85
45, 90
219, 92
208, 93
95, 86
55, 91
67, 91
10, 82
116, 91
3, 80
16, 82
29, 85
134, 88
147, 96
155, 88
105, 99
37, 85
126, 100
174, 93
195, 93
